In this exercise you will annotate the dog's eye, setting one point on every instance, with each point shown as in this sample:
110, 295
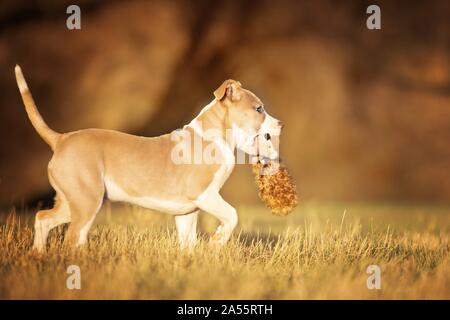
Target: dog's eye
267, 136
259, 109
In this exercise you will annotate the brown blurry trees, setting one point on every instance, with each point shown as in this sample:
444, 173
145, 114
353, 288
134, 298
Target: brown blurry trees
367, 113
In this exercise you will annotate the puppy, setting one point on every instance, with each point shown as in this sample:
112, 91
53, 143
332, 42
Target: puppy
89, 165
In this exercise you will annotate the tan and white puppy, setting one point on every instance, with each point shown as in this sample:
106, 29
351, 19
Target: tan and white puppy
89, 165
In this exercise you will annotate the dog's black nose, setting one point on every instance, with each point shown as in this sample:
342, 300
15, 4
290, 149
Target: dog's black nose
267, 136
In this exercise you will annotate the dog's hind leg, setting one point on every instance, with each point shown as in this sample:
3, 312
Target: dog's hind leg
187, 229
84, 209
85, 201
48, 219
81, 180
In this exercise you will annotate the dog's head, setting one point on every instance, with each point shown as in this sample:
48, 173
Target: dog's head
253, 128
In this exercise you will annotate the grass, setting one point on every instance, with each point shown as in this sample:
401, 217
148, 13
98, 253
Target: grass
320, 251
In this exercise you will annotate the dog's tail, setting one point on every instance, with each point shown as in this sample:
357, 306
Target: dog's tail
49, 136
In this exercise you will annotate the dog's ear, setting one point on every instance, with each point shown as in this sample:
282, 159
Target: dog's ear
229, 89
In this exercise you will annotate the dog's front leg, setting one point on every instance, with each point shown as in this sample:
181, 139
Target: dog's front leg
213, 203
187, 229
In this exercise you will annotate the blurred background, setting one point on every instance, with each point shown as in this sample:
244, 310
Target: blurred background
366, 112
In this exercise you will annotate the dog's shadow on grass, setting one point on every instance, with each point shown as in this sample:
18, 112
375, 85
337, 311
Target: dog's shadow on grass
244, 238
249, 239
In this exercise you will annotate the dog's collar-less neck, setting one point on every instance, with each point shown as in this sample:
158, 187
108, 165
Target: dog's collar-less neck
218, 121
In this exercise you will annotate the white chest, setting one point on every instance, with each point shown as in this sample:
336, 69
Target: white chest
224, 171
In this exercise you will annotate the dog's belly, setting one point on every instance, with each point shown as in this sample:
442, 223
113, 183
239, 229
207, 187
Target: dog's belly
175, 207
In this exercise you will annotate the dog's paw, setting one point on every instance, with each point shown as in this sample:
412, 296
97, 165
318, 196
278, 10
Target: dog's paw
219, 238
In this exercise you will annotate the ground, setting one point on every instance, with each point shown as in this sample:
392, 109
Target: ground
320, 251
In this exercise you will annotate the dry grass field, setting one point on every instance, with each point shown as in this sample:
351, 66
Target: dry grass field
320, 251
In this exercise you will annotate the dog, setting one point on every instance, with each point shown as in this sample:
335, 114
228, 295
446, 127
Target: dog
90, 165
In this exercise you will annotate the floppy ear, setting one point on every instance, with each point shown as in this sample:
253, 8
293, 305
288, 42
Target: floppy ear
230, 89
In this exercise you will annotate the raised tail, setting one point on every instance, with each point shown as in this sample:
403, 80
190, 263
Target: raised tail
49, 136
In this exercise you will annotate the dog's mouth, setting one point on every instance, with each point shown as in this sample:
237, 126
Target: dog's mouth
261, 146
266, 160
265, 151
